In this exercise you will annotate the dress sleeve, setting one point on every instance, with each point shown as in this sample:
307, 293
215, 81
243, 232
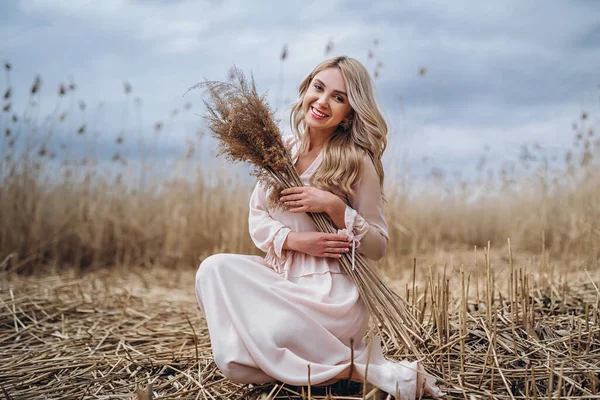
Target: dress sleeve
267, 233
364, 217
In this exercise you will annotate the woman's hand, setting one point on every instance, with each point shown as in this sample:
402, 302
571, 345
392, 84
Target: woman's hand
309, 199
318, 244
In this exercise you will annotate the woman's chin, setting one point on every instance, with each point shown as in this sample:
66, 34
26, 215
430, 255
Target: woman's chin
312, 123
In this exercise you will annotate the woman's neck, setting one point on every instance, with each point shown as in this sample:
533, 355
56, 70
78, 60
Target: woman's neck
317, 138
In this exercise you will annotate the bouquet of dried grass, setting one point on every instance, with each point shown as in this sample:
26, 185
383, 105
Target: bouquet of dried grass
244, 125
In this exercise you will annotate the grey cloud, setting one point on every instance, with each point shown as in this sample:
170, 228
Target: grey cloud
497, 67
588, 40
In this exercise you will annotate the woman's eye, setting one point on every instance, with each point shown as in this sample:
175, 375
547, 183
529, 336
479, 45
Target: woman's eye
339, 98
318, 87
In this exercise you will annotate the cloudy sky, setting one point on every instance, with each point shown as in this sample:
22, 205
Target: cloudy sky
498, 75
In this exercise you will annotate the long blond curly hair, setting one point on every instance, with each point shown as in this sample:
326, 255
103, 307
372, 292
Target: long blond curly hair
345, 149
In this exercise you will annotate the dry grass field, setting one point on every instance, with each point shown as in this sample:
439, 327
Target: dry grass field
96, 273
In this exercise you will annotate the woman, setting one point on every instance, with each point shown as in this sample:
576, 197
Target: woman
269, 318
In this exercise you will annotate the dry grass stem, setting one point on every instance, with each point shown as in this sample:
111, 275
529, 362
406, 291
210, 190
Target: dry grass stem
67, 336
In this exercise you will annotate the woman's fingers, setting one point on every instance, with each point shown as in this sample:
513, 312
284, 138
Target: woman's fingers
293, 190
337, 237
291, 197
332, 255
337, 250
293, 203
338, 244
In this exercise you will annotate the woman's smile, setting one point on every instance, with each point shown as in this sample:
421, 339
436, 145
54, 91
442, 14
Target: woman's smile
318, 114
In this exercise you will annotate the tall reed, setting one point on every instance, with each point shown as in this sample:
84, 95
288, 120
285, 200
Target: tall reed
61, 208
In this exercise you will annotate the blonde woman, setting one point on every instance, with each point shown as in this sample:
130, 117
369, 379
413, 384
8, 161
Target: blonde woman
270, 318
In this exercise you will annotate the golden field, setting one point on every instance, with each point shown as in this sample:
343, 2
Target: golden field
97, 271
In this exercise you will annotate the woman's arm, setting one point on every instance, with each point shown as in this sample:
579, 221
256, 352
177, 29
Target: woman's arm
365, 216
276, 239
266, 233
336, 211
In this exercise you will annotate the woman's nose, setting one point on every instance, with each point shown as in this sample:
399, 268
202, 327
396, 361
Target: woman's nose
322, 100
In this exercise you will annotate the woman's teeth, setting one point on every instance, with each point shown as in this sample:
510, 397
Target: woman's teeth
318, 114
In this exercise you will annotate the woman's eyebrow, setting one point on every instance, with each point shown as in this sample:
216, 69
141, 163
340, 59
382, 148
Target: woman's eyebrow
324, 85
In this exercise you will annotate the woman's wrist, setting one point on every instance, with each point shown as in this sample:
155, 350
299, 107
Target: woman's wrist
336, 211
290, 240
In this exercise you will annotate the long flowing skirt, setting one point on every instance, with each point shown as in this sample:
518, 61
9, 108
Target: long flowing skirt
265, 327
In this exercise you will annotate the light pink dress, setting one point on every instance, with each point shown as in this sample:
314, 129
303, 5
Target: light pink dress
269, 318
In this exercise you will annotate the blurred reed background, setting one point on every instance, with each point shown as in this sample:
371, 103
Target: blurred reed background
70, 204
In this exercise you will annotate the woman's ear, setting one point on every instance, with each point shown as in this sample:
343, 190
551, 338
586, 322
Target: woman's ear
346, 123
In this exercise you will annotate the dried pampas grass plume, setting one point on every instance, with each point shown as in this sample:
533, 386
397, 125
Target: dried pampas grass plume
245, 127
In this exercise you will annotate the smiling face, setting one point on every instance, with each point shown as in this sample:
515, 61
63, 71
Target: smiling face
325, 103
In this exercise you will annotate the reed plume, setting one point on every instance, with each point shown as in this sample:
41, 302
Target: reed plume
244, 125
